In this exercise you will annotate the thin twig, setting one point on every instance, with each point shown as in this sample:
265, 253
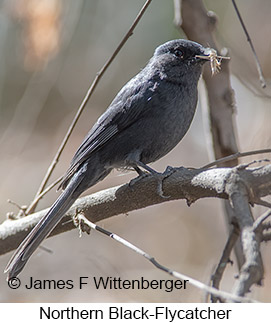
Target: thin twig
260, 220
266, 237
235, 156
20, 207
266, 225
262, 203
40, 196
224, 260
213, 291
258, 65
82, 106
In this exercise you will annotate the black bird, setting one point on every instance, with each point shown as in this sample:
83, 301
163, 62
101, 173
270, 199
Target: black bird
146, 120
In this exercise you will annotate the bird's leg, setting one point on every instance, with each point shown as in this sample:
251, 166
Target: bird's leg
151, 172
148, 168
141, 174
139, 171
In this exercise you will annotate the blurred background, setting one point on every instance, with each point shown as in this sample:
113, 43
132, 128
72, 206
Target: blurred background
50, 51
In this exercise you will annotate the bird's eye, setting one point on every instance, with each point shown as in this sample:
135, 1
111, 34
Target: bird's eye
179, 53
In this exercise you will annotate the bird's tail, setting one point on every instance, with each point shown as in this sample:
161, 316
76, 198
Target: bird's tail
44, 226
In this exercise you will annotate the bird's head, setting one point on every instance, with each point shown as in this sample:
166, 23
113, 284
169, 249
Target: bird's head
186, 55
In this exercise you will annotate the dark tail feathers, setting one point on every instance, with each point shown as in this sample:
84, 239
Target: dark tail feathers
44, 226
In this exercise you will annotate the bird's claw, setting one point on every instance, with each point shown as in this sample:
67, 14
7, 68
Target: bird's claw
137, 179
160, 177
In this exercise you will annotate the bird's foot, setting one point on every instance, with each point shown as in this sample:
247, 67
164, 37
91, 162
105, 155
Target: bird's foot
160, 177
138, 178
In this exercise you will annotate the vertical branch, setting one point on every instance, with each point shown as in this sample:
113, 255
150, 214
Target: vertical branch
199, 25
252, 270
224, 260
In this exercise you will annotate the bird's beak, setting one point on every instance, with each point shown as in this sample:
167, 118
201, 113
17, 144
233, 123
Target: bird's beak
210, 54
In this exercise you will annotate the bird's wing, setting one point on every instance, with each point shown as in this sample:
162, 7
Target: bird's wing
128, 106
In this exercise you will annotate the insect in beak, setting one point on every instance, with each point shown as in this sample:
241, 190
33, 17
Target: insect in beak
215, 60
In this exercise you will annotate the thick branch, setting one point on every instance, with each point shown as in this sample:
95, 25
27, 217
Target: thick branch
252, 270
224, 260
199, 25
189, 184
